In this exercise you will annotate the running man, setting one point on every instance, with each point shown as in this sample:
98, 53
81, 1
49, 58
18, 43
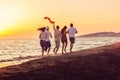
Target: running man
57, 35
48, 44
72, 31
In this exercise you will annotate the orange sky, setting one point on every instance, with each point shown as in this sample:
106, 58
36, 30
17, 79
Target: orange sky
21, 18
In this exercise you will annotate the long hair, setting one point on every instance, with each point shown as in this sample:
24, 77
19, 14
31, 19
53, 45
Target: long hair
64, 28
41, 29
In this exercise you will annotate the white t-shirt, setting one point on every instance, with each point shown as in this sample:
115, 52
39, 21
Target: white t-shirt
57, 34
48, 35
72, 31
43, 36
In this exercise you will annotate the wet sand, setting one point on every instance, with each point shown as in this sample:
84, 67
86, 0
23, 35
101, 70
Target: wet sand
101, 63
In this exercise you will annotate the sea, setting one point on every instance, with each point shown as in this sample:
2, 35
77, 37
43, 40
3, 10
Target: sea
13, 52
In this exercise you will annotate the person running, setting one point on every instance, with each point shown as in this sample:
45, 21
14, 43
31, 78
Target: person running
64, 39
71, 32
48, 44
57, 35
43, 37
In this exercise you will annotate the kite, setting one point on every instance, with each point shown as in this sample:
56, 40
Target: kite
52, 22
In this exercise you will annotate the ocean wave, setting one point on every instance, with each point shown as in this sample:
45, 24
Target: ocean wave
13, 50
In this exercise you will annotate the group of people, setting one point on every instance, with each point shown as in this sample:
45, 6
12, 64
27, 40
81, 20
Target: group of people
45, 36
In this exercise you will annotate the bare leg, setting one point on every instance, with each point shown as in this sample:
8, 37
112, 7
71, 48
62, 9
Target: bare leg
42, 52
62, 48
54, 50
71, 46
48, 50
65, 47
57, 48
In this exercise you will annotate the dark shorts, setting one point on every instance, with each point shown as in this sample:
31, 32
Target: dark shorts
64, 39
48, 44
72, 40
43, 45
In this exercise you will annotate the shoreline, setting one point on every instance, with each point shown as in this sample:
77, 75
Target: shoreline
20, 61
70, 66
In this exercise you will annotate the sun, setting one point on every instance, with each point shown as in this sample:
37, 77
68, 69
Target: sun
10, 16
2, 31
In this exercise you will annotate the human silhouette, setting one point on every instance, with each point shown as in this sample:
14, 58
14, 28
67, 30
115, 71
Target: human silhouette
71, 31
57, 35
43, 37
64, 39
48, 43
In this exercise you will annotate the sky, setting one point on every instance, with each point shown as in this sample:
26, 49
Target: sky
19, 19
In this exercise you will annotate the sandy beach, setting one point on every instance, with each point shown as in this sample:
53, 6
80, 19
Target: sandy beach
101, 63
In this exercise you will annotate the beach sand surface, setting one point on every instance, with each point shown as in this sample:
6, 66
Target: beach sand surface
101, 63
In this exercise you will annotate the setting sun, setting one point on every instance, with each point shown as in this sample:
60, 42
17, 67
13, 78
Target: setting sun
49, 32
11, 14
20, 17
1, 30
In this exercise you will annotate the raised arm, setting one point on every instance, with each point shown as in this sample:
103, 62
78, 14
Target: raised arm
54, 26
50, 35
40, 36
